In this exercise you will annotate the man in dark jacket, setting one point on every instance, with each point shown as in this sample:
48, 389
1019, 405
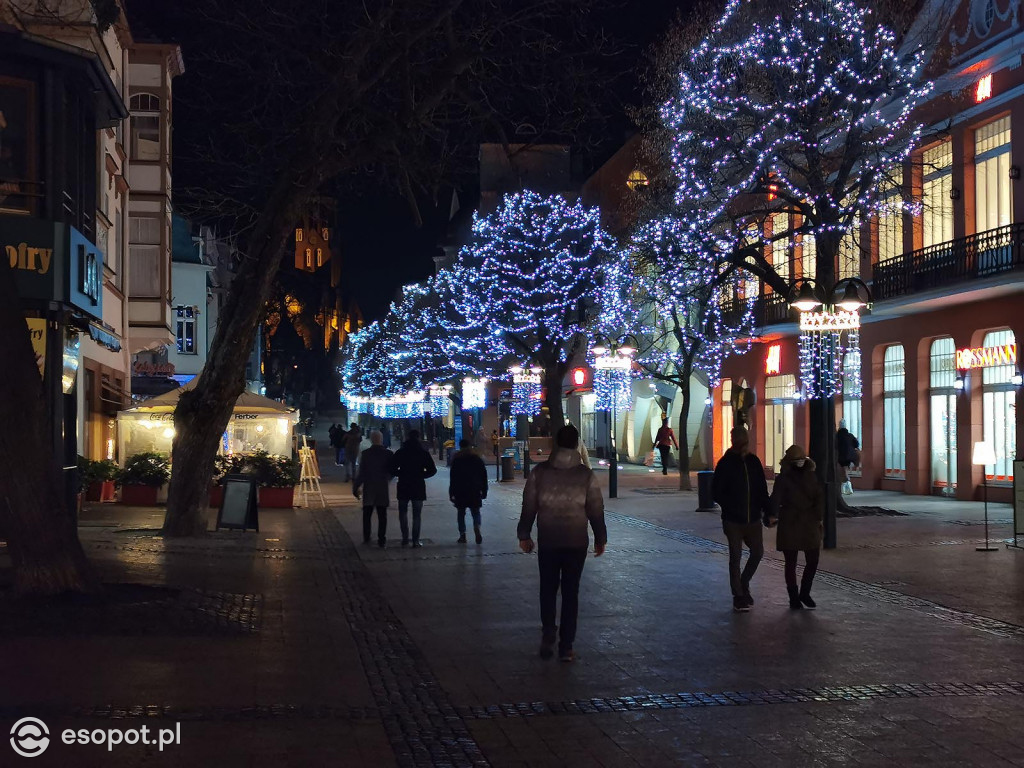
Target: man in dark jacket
741, 491
373, 477
351, 445
563, 496
412, 465
467, 487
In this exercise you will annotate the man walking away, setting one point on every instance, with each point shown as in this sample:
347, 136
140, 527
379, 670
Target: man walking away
741, 491
337, 440
664, 442
848, 453
798, 505
563, 496
467, 487
373, 478
412, 465
352, 440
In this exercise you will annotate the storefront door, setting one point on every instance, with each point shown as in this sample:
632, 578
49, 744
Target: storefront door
943, 429
779, 424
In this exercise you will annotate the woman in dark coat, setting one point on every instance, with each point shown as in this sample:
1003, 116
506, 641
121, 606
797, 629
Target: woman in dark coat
373, 477
467, 488
412, 465
798, 505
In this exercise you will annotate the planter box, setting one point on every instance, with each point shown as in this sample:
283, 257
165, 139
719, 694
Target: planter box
280, 498
216, 495
102, 490
139, 495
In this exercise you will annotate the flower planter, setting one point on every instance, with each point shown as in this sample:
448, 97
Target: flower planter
216, 495
280, 498
102, 490
139, 495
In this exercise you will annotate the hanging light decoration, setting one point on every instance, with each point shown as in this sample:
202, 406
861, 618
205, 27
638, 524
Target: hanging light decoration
526, 391
438, 400
613, 379
474, 392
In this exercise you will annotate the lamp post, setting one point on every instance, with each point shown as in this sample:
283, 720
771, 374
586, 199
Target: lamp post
983, 455
834, 318
613, 361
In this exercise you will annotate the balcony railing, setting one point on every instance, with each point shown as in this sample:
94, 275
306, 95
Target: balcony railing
969, 258
769, 309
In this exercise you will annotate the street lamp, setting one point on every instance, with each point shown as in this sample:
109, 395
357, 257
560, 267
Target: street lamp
613, 364
835, 318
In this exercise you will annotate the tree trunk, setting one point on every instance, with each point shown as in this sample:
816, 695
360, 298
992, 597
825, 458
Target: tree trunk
684, 443
41, 533
554, 374
203, 413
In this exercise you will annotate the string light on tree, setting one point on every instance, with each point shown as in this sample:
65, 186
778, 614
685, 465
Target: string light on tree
526, 391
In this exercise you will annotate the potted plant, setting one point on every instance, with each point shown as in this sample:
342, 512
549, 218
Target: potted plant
98, 478
277, 477
143, 475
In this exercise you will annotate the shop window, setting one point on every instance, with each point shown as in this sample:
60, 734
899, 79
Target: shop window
942, 377
779, 394
852, 393
936, 207
727, 415
185, 329
145, 109
20, 183
999, 410
993, 200
894, 404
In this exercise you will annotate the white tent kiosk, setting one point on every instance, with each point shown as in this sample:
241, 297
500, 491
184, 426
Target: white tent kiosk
257, 423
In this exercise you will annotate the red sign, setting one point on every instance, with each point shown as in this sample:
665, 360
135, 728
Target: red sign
143, 368
986, 357
579, 377
773, 360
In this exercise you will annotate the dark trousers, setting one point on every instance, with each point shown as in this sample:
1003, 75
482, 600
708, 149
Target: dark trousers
475, 512
382, 523
739, 534
665, 451
560, 567
811, 557
403, 517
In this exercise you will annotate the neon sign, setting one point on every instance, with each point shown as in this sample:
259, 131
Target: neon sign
829, 321
773, 361
986, 357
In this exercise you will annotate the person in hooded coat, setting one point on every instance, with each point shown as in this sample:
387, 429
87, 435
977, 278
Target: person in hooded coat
467, 488
412, 465
374, 477
798, 508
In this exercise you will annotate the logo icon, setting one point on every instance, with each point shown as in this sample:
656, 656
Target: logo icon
30, 737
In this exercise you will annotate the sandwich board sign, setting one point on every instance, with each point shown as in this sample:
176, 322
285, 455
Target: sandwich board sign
238, 507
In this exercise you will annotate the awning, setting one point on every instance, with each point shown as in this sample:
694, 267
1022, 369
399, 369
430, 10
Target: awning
104, 337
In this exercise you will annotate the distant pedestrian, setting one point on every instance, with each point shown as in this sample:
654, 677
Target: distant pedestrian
495, 444
386, 435
353, 438
741, 491
848, 451
798, 504
664, 441
467, 488
412, 465
336, 437
374, 477
563, 496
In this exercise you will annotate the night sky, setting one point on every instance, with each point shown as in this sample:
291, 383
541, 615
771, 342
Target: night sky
382, 247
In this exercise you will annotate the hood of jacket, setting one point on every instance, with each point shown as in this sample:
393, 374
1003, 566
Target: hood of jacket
786, 466
565, 458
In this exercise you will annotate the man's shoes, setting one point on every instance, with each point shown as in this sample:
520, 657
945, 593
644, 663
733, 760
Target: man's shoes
479, 537
794, 598
740, 604
567, 655
461, 539
382, 543
405, 542
417, 544
746, 594
805, 598
547, 643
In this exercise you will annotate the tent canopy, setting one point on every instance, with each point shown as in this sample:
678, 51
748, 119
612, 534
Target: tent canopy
247, 402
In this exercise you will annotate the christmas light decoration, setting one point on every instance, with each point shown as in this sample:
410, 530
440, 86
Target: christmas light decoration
439, 400
474, 393
526, 391
613, 381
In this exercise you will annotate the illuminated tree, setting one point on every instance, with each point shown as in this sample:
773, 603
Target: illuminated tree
665, 291
530, 281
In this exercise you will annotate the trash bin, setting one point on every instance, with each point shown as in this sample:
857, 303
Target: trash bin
508, 468
705, 500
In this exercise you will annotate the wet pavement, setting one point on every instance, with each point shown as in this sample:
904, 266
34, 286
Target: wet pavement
298, 645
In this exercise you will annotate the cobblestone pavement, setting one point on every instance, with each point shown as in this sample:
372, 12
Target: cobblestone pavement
297, 646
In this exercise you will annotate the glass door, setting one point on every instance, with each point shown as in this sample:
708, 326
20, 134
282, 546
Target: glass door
943, 442
779, 435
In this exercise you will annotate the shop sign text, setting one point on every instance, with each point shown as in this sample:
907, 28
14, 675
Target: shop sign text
986, 357
829, 321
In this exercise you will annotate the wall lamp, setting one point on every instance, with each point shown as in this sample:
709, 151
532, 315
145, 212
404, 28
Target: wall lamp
959, 383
